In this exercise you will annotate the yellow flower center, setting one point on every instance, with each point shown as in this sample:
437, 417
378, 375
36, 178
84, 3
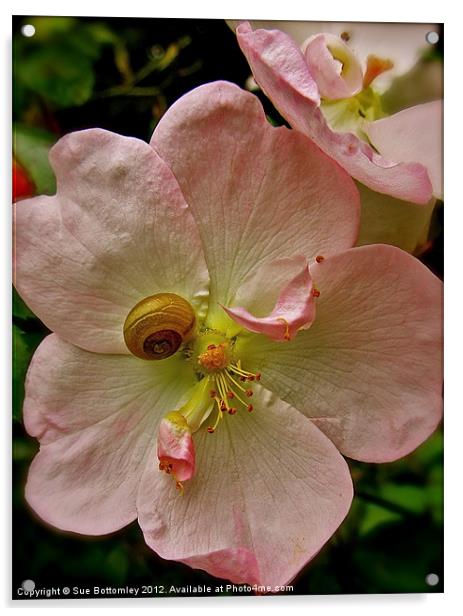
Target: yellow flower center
229, 382
215, 357
349, 114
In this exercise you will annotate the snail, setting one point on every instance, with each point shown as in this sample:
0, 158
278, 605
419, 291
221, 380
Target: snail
157, 326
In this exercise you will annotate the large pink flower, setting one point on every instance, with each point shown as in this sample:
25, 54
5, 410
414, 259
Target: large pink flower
301, 349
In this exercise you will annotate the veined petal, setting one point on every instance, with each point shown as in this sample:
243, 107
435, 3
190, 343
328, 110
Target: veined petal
256, 294
273, 460
369, 370
294, 310
250, 205
264, 49
118, 230
412, 135
96, 417
274, 49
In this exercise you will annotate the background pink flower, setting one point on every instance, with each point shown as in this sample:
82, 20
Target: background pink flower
402, 43
405, 162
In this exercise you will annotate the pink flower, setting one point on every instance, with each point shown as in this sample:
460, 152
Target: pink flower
321, 348
323, 90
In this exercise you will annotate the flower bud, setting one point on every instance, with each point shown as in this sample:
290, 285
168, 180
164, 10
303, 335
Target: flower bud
176, 451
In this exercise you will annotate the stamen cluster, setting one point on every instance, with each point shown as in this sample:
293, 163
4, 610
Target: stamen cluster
228, 378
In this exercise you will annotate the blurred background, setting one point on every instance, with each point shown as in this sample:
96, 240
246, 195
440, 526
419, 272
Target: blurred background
121, 74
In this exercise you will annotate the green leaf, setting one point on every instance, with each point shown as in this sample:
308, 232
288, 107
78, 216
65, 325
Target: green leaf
20, 310
410, 497
24, 346
375, 516
101, 33
117, 565
24, 449
71, 32
47, 28
31, 146
431, 451
398, 557
435, 493
58, 73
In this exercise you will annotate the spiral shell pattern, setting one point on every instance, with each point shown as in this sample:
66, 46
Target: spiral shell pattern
157, 326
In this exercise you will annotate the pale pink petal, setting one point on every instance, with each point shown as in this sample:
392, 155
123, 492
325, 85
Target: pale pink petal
270, 490
294, 73
412, 135
294, 310
117, 231
369, 370
176, 447
386, 220
284, 85
334, 67
96, 417
256, 294
250, 205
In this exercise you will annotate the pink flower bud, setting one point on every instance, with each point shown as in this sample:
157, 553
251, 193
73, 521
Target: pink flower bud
176, 451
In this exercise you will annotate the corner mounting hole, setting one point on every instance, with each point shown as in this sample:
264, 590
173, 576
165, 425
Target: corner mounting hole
432, 38
432, 579
28, 585
28, 30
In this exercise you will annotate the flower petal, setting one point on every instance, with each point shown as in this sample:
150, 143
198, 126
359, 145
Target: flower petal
256, 294
386, 220
273, 460
334, 67
250, 205
412, 135
96, 417
368, 372
294, 310
282, 84
117, 231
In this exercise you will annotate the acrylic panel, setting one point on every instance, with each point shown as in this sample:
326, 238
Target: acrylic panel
227, 314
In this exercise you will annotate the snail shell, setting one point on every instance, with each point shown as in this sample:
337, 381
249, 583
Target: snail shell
158, 325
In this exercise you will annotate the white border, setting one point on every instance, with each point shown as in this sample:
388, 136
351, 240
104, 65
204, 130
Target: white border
335, 10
